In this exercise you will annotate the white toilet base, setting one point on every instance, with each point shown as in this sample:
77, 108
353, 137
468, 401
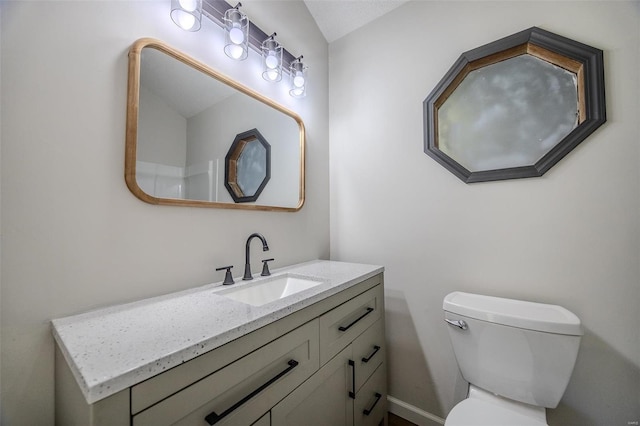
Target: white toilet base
482, 408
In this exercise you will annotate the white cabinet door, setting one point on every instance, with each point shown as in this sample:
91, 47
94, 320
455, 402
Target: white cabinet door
370, 406
264, 420
240, 393
369, 351
341, 325
323, 400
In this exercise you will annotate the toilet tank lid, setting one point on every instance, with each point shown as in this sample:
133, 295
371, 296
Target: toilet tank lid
516, 313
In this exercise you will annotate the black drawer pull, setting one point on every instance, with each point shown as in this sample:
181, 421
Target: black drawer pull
352, 394
376, 348
366, 412
345, 328
214, 418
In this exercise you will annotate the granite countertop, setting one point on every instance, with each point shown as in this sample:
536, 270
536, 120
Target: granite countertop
111, 349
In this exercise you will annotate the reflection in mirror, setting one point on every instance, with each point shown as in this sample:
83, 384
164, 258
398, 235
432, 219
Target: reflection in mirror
247, 166
182, 120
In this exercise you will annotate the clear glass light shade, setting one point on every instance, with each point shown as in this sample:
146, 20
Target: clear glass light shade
187, 14
298, 79
236, 44
271, 60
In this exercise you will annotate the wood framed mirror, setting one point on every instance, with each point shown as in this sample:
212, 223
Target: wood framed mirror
182, 120
515, 107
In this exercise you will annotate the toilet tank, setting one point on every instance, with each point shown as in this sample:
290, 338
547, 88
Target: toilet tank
520, 350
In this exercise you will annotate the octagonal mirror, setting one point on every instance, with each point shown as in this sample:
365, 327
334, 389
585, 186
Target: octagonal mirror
247, 166
515, 107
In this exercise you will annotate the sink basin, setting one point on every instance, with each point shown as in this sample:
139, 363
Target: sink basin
270, 289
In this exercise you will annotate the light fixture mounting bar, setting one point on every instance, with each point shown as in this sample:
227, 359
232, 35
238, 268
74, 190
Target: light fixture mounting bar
215, 9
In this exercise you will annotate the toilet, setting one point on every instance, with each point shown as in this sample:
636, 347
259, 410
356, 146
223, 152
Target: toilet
517, 356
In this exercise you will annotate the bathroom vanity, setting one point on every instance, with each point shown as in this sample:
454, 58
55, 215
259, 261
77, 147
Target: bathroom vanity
232, 355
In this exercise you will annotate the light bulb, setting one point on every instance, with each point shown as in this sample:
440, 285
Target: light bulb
186, 14
271, 61
235, 51
186, 21
298, 81
236, 35
298, 78
272, 75
188, 5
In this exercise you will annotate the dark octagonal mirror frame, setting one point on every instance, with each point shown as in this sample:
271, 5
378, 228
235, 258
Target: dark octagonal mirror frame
239, 171
584, 61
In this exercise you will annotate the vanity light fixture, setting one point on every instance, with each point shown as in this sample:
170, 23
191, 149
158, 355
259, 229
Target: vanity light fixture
298, 78
240, 34
187, 14
272, 59
236, 25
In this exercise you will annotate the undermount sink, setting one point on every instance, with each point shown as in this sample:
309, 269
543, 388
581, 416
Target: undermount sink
270, 289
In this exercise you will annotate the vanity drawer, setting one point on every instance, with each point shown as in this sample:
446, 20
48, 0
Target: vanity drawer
243, 391
341, 325
369, 352
370, 405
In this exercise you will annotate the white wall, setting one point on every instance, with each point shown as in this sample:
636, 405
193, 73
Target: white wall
74, 237
571, 237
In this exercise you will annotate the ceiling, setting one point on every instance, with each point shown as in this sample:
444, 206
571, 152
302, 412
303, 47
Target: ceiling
337, 18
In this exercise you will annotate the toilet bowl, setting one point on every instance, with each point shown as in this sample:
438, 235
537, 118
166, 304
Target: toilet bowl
517, 357
482, 408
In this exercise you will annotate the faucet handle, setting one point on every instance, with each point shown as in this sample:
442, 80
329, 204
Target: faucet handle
228, 279
265, 267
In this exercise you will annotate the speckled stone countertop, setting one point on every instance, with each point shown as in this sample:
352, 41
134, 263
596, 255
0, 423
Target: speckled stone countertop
114, 348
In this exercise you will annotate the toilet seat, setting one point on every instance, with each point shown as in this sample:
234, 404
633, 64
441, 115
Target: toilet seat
477, 412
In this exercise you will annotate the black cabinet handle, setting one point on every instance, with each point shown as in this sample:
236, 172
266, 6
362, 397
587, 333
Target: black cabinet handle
366, 411
376, 348
214, 418
345, 328
352, 394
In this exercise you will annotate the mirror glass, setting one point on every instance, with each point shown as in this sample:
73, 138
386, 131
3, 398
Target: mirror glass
508, 114
183, 119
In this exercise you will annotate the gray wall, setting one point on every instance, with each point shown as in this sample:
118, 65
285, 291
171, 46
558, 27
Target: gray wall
74, 237
162, 132
571, 237
1, 231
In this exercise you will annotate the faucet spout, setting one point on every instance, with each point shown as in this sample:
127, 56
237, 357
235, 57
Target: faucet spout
247, 254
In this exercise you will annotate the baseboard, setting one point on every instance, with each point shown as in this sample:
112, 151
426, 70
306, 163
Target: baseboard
413, 414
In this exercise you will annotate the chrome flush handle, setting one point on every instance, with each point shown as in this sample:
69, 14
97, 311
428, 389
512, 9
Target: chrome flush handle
457, 323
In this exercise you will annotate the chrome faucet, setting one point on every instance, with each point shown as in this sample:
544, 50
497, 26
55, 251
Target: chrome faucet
247, 255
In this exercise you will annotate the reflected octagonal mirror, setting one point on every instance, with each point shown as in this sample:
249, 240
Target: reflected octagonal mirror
247, 166
513, 108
